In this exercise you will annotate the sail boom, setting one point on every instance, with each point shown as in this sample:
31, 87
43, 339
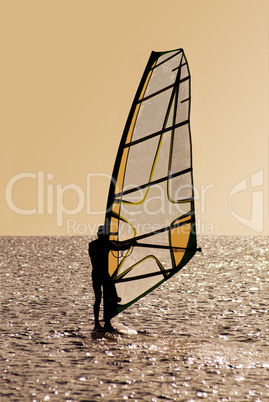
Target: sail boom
164, 229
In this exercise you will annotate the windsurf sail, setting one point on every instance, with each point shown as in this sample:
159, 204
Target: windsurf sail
151, 196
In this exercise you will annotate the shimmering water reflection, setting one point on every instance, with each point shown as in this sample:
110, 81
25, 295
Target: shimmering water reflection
202, 335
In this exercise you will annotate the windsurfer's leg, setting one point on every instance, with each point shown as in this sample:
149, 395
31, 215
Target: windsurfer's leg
108, 306
96, 307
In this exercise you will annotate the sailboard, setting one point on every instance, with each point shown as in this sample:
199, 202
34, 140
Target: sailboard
151, 195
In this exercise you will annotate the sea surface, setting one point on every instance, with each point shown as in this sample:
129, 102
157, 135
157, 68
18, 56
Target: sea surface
203, 335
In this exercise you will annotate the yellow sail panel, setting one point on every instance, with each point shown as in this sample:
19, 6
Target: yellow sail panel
179, 237
113, 255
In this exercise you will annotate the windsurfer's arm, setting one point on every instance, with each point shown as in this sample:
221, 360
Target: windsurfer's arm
122, 245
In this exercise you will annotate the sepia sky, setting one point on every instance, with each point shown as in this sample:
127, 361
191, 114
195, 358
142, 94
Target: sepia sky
69, 72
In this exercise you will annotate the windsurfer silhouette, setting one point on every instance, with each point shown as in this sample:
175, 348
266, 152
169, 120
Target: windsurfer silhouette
98, 252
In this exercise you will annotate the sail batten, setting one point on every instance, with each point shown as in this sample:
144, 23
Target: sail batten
163, 131
155, 93
151, 196
164, 229
169, 58
152, 183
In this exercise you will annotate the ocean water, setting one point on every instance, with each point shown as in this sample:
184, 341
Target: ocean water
204, 334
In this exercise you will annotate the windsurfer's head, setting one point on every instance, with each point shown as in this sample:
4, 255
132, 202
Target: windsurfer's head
101, 231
